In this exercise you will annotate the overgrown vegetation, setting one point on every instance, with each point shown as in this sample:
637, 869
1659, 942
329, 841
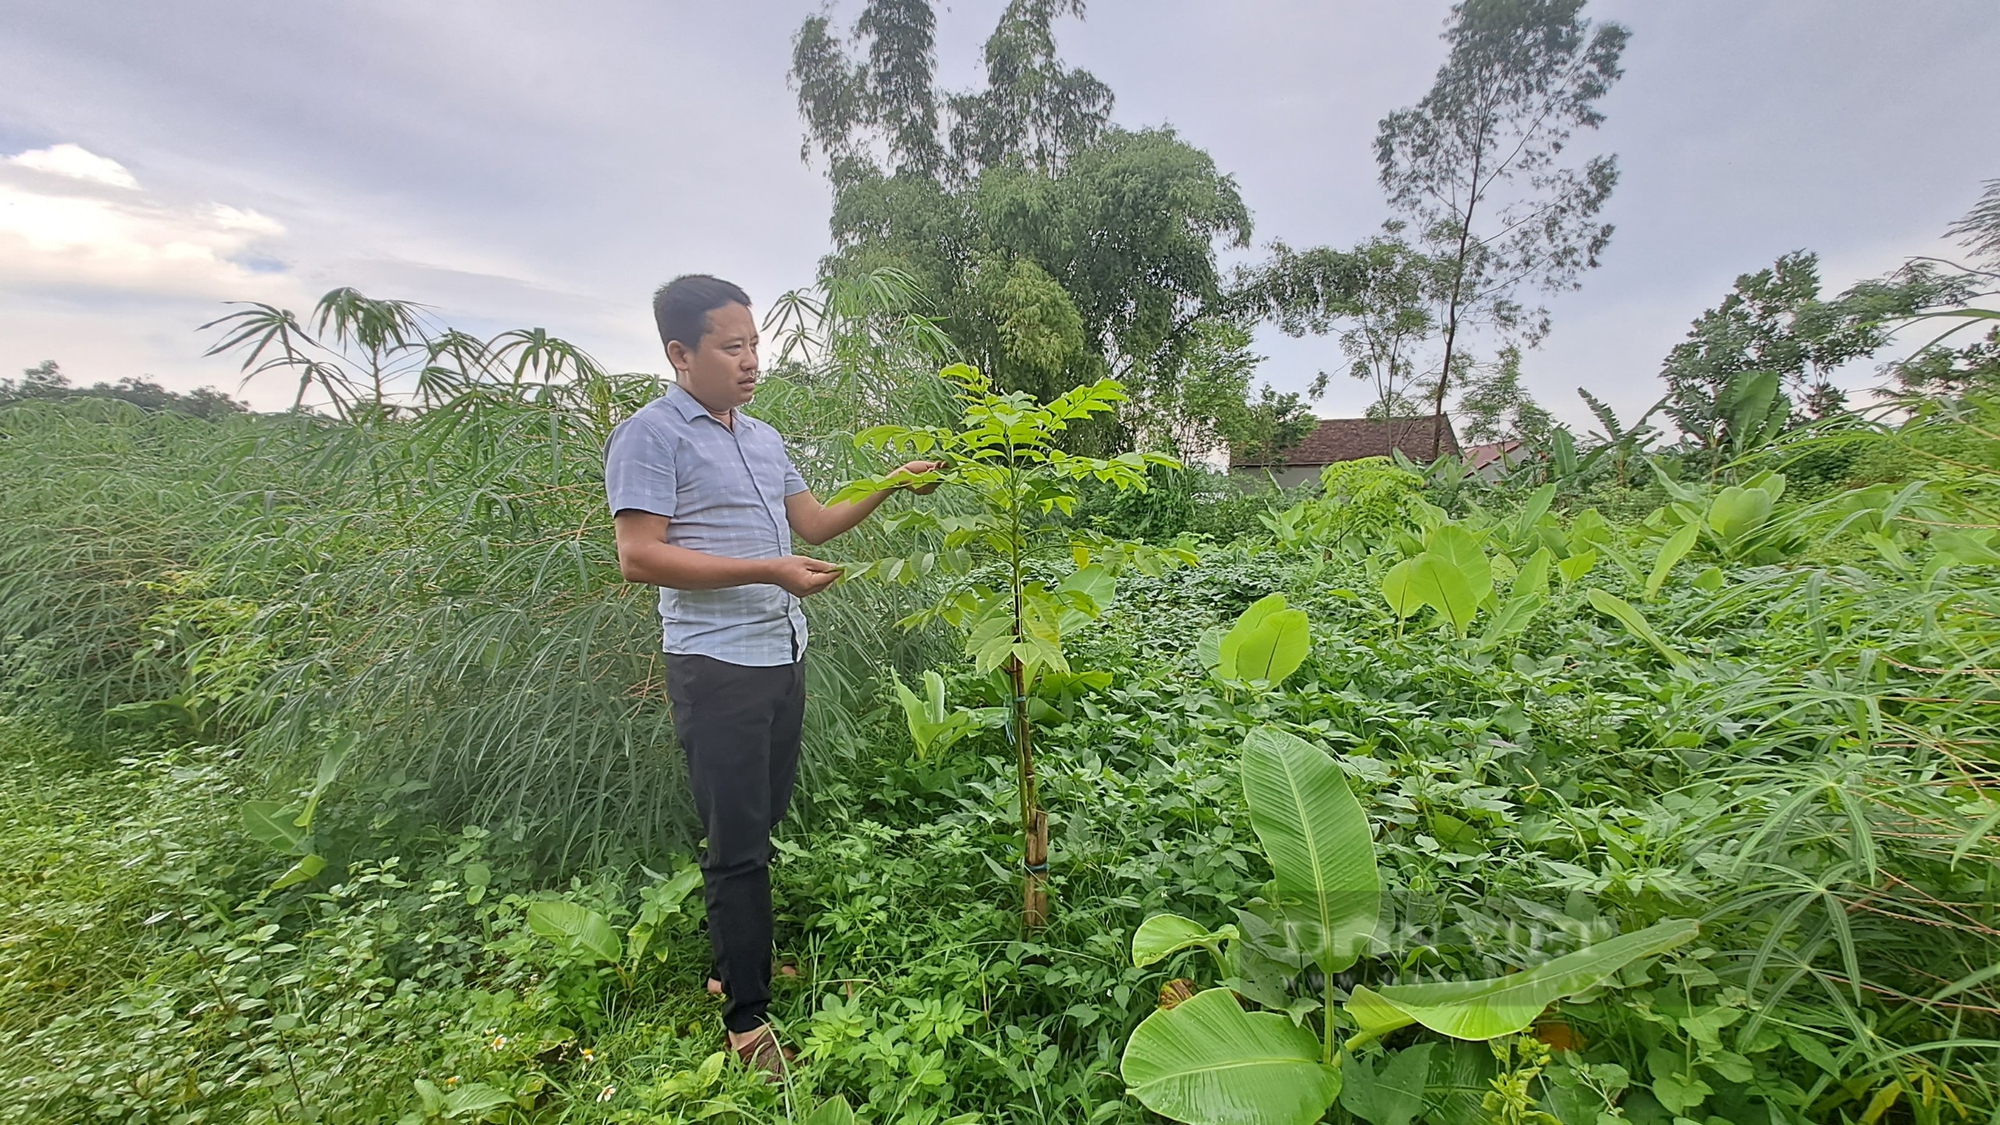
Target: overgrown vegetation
1764, 712
1628, 782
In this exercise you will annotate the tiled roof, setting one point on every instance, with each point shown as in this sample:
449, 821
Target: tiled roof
1480, 456
1350, 439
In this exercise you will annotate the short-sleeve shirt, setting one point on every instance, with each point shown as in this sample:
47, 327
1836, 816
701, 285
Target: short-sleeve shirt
723, 492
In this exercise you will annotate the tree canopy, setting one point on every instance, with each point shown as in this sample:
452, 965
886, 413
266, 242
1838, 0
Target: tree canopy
1056, 246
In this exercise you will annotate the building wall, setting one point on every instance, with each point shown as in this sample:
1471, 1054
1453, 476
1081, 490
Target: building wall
1291, 476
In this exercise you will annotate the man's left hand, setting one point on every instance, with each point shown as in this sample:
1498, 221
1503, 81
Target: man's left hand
915, 468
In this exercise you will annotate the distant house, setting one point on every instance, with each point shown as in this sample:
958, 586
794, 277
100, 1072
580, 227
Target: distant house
1346, 439
1494, 458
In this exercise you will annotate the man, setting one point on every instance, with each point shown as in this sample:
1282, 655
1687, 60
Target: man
706, 502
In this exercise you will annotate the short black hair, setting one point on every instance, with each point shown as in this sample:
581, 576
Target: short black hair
681, 306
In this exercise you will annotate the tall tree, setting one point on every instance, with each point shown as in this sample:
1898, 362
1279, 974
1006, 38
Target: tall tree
1382, 297
1477, 164
1775, 320
1057, 247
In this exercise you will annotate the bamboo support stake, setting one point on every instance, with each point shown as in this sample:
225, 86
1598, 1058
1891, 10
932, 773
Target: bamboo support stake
1034, 895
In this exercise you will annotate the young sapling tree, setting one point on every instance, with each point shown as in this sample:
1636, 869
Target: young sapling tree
1005, 459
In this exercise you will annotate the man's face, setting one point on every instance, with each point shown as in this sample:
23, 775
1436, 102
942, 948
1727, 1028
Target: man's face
721, 373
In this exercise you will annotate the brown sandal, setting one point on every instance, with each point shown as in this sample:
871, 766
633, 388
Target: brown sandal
765, 1053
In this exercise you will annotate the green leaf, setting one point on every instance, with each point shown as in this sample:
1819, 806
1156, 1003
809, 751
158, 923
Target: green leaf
1399, 587
1267, 643
308, 867
1164, 935
1577, 565
576, 928
1515, 615
833, 1111
473, 1099
273, 823
1395, 1095
1636, 623
1209, 1062
1461, 550
1736, 512
1208, 648
1679, 1093
1447, 589
1327, 892
1672, 551
1488, 1009
1534, 575
1709, 581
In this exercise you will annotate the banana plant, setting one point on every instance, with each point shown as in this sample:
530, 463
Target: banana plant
1006, 458
1209, 1061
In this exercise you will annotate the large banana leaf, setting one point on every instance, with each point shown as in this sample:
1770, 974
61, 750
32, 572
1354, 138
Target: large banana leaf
1209, 1062
1488, 1009
1326, 891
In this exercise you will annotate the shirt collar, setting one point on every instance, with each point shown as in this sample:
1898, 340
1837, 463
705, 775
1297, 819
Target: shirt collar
690, 407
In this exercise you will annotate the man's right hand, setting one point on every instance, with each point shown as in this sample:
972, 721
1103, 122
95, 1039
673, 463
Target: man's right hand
802, 576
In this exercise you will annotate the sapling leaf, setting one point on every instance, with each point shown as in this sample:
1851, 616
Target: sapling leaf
274, 823
1514, 616
1208, 648
1445, 587
1209, 1062
1577, 565
833, 1111
1452, 544
1399, 587
308, 867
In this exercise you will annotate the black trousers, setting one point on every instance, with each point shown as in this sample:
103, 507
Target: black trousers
739, 727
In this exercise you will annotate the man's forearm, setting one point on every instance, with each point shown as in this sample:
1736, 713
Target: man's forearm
663, 564
838, 519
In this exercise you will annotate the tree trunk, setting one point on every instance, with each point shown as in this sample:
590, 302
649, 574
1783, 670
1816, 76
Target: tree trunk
1451, 313
1034, 821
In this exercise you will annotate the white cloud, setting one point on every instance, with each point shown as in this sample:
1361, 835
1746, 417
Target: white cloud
56, 235
76, 162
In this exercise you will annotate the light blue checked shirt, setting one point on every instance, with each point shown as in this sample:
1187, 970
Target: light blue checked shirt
723, 492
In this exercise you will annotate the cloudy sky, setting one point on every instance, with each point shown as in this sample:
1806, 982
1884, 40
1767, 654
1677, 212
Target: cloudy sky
514, 164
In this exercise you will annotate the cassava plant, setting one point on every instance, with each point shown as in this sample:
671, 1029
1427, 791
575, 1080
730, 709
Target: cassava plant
998, 559
1208, 1061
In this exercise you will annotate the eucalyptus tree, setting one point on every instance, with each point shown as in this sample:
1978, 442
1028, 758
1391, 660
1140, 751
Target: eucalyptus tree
1479, 165
1056, 247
